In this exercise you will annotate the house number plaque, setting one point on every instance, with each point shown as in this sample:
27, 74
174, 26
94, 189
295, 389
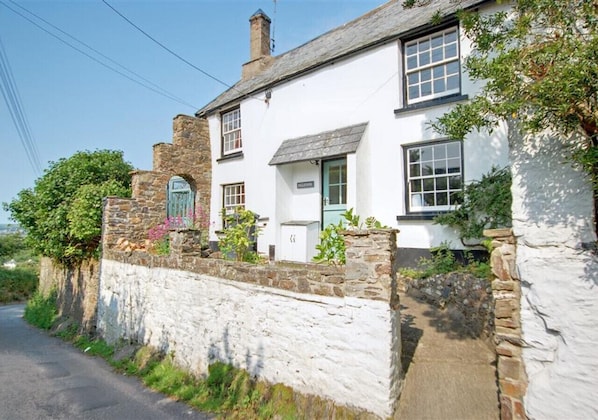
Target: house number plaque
305, 184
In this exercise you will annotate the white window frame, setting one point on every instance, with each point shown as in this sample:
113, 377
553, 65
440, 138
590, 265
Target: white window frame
433, 175
427, 65
233, 197
231, 132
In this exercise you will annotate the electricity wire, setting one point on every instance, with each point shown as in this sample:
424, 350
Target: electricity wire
205, 73
11, 96
157, 89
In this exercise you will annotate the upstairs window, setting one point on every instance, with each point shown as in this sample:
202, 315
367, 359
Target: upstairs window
434, 176
231, 132
233, 197
432, 67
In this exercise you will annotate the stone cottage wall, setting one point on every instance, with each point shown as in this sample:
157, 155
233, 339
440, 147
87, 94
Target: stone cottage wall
187, 156
558, 270
324, 331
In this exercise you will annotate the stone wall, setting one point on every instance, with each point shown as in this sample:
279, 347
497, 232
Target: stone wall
77, 289
512, 379
187, 156
558, 271
322, 330
466, 299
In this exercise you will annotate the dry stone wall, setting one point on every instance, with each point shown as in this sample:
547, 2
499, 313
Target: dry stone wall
318, 329
77, 290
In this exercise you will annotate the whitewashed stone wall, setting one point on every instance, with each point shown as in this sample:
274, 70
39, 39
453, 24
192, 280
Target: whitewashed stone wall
553, 219
346, 349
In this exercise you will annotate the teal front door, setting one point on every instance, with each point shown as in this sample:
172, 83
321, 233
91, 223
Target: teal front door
334, 190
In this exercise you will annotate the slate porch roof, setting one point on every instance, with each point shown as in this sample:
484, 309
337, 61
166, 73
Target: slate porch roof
383, 24
326, 144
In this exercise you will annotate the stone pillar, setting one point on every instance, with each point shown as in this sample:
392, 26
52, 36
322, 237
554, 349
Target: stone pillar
370, 258
506, 288
370, 276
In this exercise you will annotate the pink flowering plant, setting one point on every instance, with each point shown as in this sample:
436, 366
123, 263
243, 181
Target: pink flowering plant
159, 235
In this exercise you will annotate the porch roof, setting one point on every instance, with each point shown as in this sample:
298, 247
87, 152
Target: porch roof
319, 146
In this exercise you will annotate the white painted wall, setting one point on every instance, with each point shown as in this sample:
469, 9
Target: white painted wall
343, 349
362, 88
552, 217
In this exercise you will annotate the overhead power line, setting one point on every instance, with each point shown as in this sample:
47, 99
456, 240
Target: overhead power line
144, 82
172, 52
11, 96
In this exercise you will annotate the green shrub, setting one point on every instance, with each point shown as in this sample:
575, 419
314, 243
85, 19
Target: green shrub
41, 310
240, 235
17, 285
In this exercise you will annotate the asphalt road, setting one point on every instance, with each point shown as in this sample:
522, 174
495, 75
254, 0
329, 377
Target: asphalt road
41, 377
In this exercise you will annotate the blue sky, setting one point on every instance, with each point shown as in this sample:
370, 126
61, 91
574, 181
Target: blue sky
73, 103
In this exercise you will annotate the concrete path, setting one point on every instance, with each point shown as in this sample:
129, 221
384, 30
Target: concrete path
42, 377
448, 375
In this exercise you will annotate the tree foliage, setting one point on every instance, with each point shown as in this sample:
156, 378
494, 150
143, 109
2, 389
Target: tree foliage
62, 212
483, 204
539, 64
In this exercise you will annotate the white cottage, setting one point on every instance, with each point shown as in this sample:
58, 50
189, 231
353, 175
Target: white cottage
341, 122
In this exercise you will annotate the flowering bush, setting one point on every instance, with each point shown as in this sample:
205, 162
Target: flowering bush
159, 234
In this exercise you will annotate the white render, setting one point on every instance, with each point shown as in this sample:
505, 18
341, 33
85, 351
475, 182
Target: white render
552, 219
337, 348
364, 87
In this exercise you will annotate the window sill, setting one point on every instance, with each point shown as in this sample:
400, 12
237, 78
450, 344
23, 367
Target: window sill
232, 156
432, 103
420, 216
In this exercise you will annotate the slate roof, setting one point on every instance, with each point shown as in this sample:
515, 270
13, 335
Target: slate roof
387, 22
326, 144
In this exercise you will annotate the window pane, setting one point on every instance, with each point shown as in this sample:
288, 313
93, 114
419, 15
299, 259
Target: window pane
416, 200
424, 45
440, 151
426, 75
440, 167
334, 175
429, 199
343, 198
411, 62
454, 166
439, 85
454, 198
429, 184
412, 79
414, 170
455, 182
426, 154
437, 55
441, 199
424, 58
334, 192
426, 88
413, 92
411, 49
414, 155
441, 184
450, 36
450, 51
416, 186
437, 41
427, 170
453, 150
452, 67
452, 82
438, 72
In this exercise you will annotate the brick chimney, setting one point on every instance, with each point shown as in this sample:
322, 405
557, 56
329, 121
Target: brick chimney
259, 45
